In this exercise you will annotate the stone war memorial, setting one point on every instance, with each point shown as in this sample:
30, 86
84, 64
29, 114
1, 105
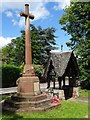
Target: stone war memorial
29, 97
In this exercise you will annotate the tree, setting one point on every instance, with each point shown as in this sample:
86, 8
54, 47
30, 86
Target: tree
76, 22
13, 53
42, 41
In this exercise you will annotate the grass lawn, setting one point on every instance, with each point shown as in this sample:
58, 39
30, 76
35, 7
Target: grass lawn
67, 109
84, 93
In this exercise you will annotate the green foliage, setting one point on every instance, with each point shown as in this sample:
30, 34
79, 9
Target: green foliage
38, 70
4, 97
13, 53
85, 84
76, 22
84, 63
68, 110
42, 41
10, 74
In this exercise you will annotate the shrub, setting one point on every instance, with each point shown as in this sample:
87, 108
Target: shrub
39, 69
85, 84
10, 74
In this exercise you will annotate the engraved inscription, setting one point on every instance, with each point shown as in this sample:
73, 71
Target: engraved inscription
36, 86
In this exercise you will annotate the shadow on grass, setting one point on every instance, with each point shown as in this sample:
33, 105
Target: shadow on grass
11, 116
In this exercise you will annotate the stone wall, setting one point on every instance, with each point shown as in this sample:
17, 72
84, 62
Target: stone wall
75, 92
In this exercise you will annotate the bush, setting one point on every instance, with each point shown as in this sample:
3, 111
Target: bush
39, 69
85, 84
10, 74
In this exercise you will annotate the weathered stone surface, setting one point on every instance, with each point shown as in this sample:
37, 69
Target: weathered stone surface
61, 94
18, 104
26, 98
75, 92
26, 86
31, 109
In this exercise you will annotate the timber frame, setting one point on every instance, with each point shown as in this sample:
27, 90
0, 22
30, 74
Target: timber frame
64, 67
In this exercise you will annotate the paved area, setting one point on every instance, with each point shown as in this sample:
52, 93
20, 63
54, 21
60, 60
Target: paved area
14, 89
80, 100
8, 90
43, 87
86, 116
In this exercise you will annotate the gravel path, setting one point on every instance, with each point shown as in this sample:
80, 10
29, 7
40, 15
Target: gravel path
80, 100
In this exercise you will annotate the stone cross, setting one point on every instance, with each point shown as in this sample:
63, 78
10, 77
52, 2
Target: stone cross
28, 69
28, 83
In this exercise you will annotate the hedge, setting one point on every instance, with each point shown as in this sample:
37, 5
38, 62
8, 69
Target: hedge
85, 84
10, 74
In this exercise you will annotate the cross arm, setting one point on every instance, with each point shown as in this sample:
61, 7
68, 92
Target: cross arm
26, 15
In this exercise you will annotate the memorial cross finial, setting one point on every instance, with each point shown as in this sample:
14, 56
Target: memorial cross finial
26, 13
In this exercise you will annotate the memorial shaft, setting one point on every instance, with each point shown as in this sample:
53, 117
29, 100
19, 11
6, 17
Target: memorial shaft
28, 55
28, 69
28, 84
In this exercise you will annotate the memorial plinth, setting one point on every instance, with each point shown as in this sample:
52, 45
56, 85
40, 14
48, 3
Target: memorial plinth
28, 97
29, 86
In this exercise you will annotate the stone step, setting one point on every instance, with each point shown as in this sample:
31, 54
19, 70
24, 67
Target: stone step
28, 98
30, 109
25, 104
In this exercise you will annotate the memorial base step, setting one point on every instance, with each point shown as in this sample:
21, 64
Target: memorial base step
18, 104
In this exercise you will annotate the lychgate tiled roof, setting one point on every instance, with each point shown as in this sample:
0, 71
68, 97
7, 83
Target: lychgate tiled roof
59, 61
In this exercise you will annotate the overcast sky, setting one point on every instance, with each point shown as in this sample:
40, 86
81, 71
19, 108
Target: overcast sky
46, 12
